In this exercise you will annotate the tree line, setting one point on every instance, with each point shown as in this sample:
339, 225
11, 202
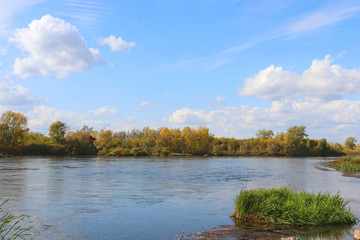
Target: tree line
16, 138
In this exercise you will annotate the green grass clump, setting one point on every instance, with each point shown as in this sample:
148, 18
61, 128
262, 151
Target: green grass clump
346, 163
285, 206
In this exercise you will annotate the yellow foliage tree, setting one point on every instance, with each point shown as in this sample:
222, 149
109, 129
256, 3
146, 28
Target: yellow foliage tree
13, 128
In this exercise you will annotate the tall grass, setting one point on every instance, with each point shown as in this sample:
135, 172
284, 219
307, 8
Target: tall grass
285, 206
346, 163
12, 226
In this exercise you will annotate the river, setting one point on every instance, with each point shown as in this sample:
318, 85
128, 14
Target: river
153, 198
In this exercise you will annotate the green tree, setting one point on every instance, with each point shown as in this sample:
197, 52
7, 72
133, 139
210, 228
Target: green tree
350, 143
57, 131
294, 138
323, 146
149, 140
265, 134
13, 128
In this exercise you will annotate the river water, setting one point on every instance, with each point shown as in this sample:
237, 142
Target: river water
153, 198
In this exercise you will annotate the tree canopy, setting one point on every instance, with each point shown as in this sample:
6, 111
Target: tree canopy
57, 131
15, 138
13, 128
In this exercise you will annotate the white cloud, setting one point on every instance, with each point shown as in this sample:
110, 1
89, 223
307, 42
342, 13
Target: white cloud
105, 110
143, 105
326, 16
334, 120
9, 9
216, 64
190, 116
16, 95
117, 44
220, 99
55, 46
321, 81
125, 125
40, 117
85, 13
219, 102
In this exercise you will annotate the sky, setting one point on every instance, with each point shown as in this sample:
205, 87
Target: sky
234, 66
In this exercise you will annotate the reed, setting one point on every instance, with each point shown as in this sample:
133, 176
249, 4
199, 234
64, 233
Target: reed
13, 226
285, 206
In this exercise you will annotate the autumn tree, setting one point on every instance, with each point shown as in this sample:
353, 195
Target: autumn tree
149, 140
164, 138
104, 140
81, 141
265, 134
205, 140
13, 128
350, 143
57, 131
177, 142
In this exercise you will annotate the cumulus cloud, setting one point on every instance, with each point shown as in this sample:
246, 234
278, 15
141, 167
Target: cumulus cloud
190, 116
105, 110
322, 80
117, 44
334, 120
40, 117
16, 95
54, 46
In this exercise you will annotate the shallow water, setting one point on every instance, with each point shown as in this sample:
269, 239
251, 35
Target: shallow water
154, 198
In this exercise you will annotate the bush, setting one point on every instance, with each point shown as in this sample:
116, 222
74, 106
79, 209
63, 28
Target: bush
137, 151
285, 206
44, 149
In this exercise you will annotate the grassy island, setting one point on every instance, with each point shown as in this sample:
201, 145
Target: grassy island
346, 163
285, 206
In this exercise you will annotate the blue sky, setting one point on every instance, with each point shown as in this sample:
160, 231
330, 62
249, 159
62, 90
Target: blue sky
235, 66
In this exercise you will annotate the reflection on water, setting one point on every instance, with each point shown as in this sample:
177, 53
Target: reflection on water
272, 231
300, 232
154, 198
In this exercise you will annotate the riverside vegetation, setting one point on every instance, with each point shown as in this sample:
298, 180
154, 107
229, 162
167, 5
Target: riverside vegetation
346, 163
17, 139
14, 226
285, 206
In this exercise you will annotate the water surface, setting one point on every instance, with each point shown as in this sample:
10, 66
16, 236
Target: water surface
153, 198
